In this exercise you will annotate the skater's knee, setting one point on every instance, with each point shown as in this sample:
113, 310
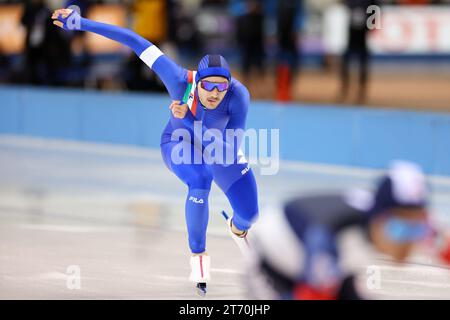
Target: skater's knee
204, 193
201, 180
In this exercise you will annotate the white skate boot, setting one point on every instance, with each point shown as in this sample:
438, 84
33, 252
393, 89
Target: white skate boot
200, 272
241, 240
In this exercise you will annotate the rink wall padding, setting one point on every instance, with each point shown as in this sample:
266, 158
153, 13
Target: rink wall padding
350, 136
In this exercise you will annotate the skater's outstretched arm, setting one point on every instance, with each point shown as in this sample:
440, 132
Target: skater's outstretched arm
172, 75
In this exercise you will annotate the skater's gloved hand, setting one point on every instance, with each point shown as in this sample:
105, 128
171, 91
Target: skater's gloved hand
67, 19
178, 109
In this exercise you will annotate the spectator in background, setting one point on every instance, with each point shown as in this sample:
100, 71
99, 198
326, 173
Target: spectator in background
183, 30
357, 46
289, 19
151, 22
80, 58
250, 36
46, 50
3, 67
34, 20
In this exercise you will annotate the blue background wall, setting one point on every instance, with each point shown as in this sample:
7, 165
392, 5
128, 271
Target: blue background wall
321, 134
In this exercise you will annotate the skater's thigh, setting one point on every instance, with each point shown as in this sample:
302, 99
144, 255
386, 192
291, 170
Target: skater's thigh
226, 176
195, 175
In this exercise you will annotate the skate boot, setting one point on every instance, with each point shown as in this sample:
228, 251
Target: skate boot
200, 272
241, 240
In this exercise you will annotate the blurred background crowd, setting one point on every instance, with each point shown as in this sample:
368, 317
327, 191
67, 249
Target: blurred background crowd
313, 51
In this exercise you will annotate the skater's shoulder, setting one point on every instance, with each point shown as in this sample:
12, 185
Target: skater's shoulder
238, 94
238, 88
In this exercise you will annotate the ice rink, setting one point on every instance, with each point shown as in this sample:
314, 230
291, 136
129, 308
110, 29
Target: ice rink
116, 214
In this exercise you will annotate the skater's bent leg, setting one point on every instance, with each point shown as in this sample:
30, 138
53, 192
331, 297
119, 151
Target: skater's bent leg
238, 183
243, 199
